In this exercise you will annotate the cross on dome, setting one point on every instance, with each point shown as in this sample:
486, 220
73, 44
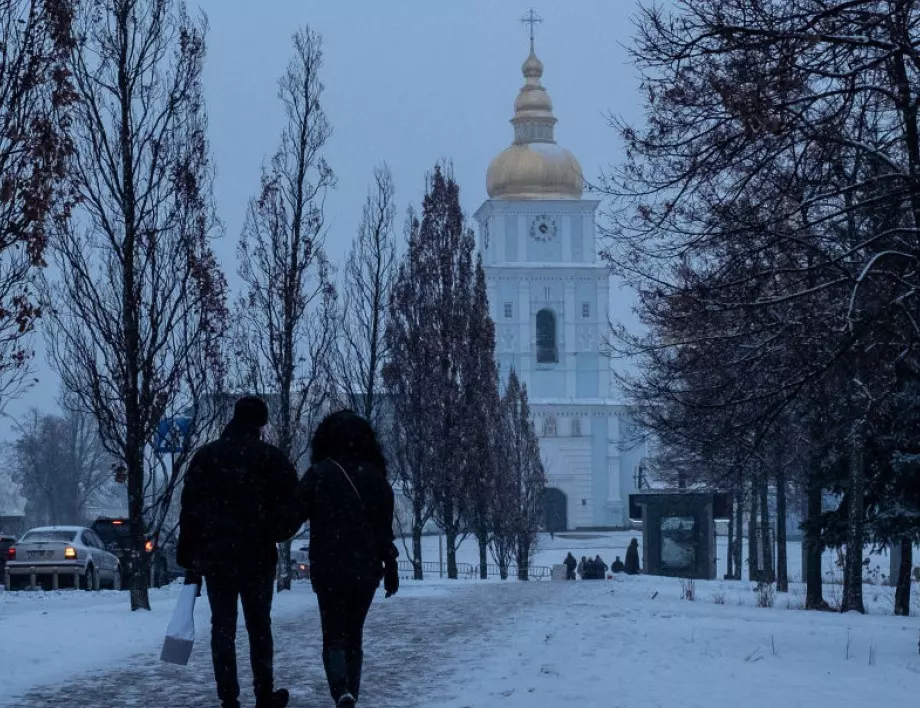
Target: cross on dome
532, 19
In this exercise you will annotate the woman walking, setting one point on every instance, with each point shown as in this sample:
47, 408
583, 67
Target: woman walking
348, 501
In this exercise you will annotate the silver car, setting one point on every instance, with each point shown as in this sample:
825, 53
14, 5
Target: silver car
61, 556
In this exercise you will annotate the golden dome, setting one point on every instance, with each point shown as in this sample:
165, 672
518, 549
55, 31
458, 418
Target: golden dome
534, 167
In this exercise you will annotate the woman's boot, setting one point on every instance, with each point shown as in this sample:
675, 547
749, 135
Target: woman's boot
355, 660
335, 663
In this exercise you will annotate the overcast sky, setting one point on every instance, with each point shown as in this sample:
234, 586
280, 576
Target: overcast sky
408, 82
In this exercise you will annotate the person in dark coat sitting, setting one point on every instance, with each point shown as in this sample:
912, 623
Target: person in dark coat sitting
349, 502
570, 564
632, 558
617, 566
600, 568
235, 508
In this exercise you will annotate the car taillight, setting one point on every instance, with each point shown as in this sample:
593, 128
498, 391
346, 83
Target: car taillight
11, 554
70, 553
148, 546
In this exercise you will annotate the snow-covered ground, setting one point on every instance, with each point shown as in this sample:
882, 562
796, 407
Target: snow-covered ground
627, 642
633, 643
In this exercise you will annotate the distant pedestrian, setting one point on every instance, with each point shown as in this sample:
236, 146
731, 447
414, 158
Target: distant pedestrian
590, 569
349, 503
581, 567
600, 568
235, 509
632, 558
570, 565
617, 566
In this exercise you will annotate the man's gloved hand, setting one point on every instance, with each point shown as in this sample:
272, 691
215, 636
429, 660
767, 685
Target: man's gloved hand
391, 578
193, 577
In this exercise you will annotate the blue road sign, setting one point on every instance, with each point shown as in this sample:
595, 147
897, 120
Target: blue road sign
171, 435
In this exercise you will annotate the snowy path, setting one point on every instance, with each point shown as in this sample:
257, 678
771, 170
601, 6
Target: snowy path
416, 643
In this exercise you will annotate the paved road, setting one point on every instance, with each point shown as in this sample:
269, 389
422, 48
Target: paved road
413, 645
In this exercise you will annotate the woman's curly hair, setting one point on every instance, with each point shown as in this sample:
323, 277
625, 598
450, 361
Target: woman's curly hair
345, 436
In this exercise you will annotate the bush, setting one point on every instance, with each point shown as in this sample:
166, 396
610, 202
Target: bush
688, 590
766, 594
718, 598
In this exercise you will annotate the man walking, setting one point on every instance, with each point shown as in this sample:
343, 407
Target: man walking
570, 565
235, 508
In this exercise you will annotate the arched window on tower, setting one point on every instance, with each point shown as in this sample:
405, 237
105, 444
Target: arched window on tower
547, 352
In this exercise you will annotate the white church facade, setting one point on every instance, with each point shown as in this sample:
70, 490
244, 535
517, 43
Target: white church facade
549, 296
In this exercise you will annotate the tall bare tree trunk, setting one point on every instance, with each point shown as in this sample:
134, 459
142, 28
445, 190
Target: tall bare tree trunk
814, 548
902, 591
483, 558
766, 542
782, 562
738, 550
753, 569
523, 560
418, 524
730, 554
853, 570
450, 539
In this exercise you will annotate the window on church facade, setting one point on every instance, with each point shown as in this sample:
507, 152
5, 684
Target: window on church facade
546, 338
508, 311
549, 426
576, 427
586, 309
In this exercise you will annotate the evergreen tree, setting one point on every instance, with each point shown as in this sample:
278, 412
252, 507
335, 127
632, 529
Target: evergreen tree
411, 357
526, 478
482, 411
430, 362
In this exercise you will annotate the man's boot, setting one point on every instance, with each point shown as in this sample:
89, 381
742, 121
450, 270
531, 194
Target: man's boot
277, 699
354, 660
334, 661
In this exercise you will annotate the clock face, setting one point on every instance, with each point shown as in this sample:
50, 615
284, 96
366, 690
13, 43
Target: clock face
543, 229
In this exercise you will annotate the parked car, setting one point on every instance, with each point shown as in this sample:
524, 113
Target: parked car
116, 533
300, 570
61, 556
5, 543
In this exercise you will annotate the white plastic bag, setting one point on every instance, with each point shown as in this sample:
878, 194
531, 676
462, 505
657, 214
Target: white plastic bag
180, 634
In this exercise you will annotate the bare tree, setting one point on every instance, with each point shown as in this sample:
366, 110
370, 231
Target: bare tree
60, 466
370, 272
773, 210
287, 313
196, 414
140, 291
35, 100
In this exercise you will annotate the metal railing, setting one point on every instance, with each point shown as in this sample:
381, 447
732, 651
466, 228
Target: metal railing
468, 571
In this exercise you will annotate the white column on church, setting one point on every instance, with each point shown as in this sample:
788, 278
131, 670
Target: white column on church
571, 342
525, 327
523, 231
613, 459
601, 334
